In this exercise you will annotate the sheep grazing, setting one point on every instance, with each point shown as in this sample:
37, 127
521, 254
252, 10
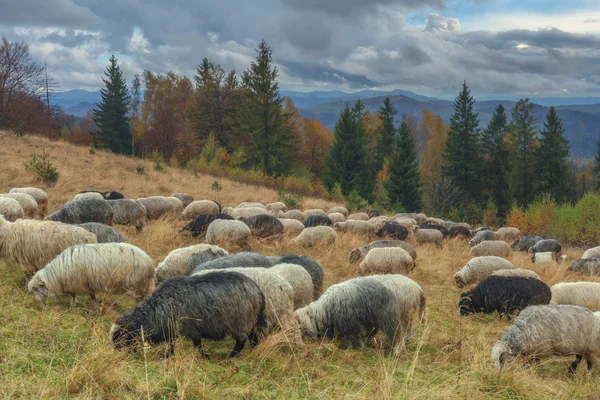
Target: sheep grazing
27, 203
247, 212
263, 226
588, 266
336, 217
359, 307
458, 230
11, 209
32, 244
480, 268
316, 236
199, 207
183, 261
594, 252
497, 248
546, 245
291, 226
89, 195
200, 224
393, 230
317, 220
544, 259
40, 196
338, 209
378, 222
524, 243
276, 206
293, 214
357, 227
586, 294
250, 204
508, 234
504, 294
311, 266
312, 211
526, 273
244, 259
300, 280
482, 236
211, 306
371, 212
177, 206
104, 233
360, 216
128, 212
430, 225
360, 253
111, 195
408, 223
387, 260
222, 232
157, 206
428, 236
185, 198
115, 268
82, 211
546, 330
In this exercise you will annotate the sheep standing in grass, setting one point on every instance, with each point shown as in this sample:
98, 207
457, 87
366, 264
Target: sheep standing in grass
221, 232
313, 268
293, 214
480, 268
263, 226
185, 198
546, 330
32, 244
104, 233
393, 230
588, 266
128, 212
355, 226
497, 248
177, 206
360, 253
458, 230
312, 211
336, 217
40, 196
338, 209
318, 235
247, 212
387, 260
199, 207
28, 203
431, 225
276, 206
211, 306
300, 280
547, 245
504, 294
544, 259
317, 220
524, 243
116, 268
82, 211
428, 236
482, 236
89, 195
508, 234
157, 206
291, 226
11, 209
199, 225
183, 261
594, 252
525, 273
360, 216
244, 259
586, 294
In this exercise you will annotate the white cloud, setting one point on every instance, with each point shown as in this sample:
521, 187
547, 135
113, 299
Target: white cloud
138, 43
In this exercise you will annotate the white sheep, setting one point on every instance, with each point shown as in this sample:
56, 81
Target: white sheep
338, 209
526, 273
276, 206
129, 212
177, 206
361, 216
89, 195
594, 252
32, 244
246, 212
336, 217
586, 294
317, 235
11, 209
28, 203
158, 206
182, 261
428, 236
312, 211
479, 268
250, 204
408, 223
508, 234
116, 268
231, 232
292, 214
387, 260
491, 248
185, 198
360, 253
433, 220
358, 227
291, 226
544, 259
40, 196
300, 280
199, 207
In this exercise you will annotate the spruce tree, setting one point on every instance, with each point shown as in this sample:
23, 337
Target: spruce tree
496, 168
551, 159
403, 186
270, 144
347, 162
596, 169
462, 154
522, 134
387, 114
111, 117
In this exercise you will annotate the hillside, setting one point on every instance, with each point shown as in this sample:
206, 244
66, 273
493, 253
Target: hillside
54, 351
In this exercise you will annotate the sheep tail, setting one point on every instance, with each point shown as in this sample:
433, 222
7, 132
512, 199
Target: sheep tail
220, 208
422, 308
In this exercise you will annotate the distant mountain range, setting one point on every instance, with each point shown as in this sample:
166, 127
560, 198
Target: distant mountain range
580, 115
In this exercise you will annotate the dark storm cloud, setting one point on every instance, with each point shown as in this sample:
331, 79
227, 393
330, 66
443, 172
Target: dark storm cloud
325, 74
57, 13
357, 8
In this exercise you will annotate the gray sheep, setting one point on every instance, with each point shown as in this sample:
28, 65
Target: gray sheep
497, 248
588, 266
82, 211
185, 198
183, 261
360, 253
482, 236
104, 233
428, 236
525, 242
263, 226
479, 268
547, 245
158, 206
128, 212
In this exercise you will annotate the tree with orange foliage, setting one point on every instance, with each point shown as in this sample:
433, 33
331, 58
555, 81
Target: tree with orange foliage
314, 147
432, 160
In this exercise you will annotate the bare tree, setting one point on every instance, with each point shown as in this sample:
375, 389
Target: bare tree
445, 196
19, 75
55, 112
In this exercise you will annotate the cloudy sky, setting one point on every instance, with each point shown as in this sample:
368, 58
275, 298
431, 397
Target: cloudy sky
501, 47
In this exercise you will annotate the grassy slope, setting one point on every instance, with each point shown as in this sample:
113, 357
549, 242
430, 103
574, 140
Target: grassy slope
58, 352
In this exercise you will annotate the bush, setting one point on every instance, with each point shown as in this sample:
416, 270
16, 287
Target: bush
140, 169
19, 132
355, 202
216, 186
158, 166
291, 200
490, 215
337, 194
578, 225
536, 219
41, 165
92, 149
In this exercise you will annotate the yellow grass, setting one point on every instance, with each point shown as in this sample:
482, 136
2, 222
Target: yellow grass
58, 352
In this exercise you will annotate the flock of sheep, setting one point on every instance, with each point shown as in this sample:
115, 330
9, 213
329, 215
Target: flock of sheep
203, 292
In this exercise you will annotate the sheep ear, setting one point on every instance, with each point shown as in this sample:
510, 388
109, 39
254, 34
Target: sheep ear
41, 284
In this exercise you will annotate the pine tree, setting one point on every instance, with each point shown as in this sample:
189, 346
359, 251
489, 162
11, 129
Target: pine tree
111, 117
270, 144
462, 155
551, 165
347, 162
387, 113
522, 132
496, 166
596, 168
404, 184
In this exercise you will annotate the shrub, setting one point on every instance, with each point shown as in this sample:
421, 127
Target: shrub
577, 225
490, 215
92, 149
140, 169
355, 202
158, 166
216, 186
291, 200
536, 219
337, 194
19, 132
41, 165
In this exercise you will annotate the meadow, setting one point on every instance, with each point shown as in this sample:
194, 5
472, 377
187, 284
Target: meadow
54, 351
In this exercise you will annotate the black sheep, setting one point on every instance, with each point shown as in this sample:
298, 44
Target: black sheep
199, 225
210, 306
505, 294
546, 245
263, 225
317, 220
392, 229
459, 230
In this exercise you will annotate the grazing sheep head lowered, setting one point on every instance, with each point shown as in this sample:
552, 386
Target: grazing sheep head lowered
465, 304
122, 334
460, 281
355, 256
307, 322
38, 287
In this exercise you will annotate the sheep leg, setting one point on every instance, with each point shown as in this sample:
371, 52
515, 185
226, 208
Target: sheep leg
575, 363
94, 301
239, 345
73, 300
198, 345
589, 366
253, 338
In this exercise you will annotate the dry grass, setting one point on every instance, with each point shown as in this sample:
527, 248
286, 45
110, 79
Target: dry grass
58, 352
